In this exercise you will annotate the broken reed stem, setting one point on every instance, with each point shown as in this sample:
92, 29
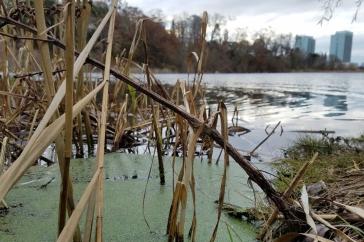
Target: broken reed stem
187, 177
89, 218
101, 143
224, 131
155, 111
286, 195
69, 59
266, 138
81, 42
44, 49
158, 138
72, 222
2, 153
2, 164
157, 130
33, 123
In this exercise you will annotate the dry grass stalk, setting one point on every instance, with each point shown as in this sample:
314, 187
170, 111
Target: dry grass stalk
224, 131
121, 123
33, 123
44, 49
265, 139
176, 221
74, 219
157, 132
69, 59
209, 141
155, 109
158, 137
2, 153
126, 68
202, 54
101, 143
295, 181
5, 80
87, 233
2, 164
81, 35
187, 177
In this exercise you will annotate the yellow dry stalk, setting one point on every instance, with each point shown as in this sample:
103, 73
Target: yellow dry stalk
101, 142
71, 225
82, 27
286, 195
33, 123
69, 62
224, 131
2, 164
89, 218
187, 179
44, 49
2, 153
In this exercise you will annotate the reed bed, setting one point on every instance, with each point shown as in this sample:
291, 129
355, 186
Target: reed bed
47, 98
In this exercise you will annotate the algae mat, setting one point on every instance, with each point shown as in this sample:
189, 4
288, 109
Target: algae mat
33, 207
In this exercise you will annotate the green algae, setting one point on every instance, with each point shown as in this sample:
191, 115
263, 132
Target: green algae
33, 212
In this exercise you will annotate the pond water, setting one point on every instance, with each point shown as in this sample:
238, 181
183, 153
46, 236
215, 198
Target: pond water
301, 101
33, 212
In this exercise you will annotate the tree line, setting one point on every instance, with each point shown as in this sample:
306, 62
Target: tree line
171, 42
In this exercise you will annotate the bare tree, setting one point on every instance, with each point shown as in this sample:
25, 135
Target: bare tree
329, 7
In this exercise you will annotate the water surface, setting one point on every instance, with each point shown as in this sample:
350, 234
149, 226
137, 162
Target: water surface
301, 101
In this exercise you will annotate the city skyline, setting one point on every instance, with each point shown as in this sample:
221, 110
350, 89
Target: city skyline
307, 44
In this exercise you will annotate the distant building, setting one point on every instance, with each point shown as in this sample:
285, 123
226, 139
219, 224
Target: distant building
340, 45
305, 44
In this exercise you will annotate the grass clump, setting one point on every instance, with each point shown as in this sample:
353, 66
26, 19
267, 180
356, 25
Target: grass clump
336, 157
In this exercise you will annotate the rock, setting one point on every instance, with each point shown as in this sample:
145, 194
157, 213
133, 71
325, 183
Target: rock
316, 188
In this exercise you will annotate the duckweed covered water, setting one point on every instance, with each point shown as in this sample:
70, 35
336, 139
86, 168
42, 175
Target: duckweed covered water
33, 212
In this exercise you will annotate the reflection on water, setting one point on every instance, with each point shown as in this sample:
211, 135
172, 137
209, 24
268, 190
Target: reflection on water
289, 97
301, 101
336, 101
250, 99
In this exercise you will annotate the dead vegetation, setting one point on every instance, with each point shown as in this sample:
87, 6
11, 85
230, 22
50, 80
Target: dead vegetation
329, 190
48, 96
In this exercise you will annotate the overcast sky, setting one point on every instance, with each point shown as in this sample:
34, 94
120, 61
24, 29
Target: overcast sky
283, 16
